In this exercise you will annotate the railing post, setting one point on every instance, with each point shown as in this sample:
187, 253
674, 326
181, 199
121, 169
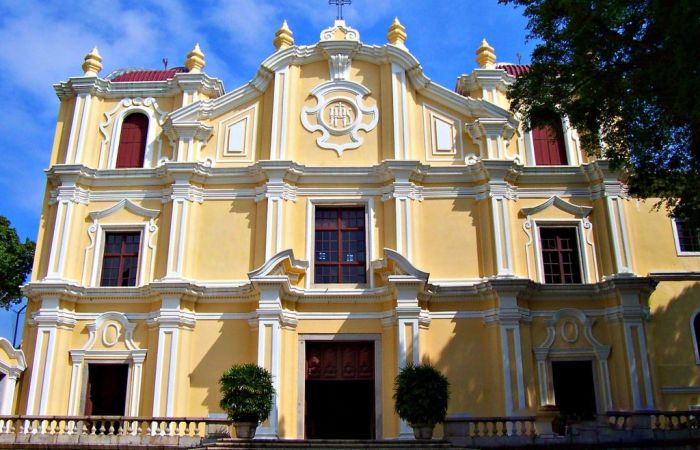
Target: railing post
543, 420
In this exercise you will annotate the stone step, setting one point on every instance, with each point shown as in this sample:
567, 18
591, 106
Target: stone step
240, 444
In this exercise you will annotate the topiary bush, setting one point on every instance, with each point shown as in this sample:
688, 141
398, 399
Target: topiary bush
247, 393
421, 394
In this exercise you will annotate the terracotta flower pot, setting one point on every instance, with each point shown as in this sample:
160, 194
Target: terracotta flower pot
423, 431
245, 430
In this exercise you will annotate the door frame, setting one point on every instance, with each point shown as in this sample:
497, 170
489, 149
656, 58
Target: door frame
301, 375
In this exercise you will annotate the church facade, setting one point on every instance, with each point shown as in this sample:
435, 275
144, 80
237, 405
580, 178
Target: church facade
335, 218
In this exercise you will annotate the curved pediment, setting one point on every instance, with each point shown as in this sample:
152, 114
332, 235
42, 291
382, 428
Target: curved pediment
557, 202
300, 55
127, 204
280, 265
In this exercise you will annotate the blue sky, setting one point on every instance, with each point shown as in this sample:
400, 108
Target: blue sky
43, 42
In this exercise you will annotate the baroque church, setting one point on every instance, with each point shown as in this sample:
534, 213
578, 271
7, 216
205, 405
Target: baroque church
335, 218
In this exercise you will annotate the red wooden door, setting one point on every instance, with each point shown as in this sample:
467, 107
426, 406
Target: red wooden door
132, 141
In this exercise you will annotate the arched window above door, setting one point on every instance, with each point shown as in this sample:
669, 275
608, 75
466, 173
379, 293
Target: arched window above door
132, 141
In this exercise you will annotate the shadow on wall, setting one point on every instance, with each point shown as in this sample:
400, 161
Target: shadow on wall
672, 347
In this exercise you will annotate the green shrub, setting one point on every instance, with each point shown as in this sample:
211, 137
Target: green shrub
247, 393
421, 394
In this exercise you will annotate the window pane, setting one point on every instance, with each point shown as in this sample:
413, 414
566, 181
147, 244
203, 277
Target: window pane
120, 259
688, 237
560, 255
339, 247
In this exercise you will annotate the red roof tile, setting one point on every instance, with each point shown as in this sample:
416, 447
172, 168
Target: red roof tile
147, 75
514, 70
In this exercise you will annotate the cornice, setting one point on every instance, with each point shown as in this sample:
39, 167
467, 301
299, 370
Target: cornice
101, 87
302, 54
391, 178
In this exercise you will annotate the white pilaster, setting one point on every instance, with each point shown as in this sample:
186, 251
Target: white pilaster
171, 321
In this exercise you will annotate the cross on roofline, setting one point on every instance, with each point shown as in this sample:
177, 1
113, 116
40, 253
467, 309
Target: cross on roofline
339, 4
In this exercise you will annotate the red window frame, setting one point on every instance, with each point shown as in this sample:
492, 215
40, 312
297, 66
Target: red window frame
548, 142
120, 259
340, 245
560, 255
132, 141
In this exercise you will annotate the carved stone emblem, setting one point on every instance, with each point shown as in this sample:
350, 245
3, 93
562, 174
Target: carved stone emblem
339, 114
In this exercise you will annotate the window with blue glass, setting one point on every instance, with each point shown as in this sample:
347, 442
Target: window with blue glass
340, 246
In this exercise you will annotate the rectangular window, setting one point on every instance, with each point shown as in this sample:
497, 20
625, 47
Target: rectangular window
548, 141
340, 249
560, 255
688, 237
120, 259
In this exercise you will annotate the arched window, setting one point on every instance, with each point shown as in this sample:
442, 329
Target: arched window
696, 335
548, 141
132, 141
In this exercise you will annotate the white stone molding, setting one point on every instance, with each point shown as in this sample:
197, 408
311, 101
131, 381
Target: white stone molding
589, 273
632, 313
400, 112
339, 66
47, 320
280, 108
172, 321
11, 371
618, 232
129, 206
78, 126
394, 266
442, 135
579, 220
59, 241
96, 233
591, 349
340, 112
283, 264
340, 30
237, 136
574, 210
114, 118
189, 137
694, 336
501, 233
487, 131
370, 221
676, 241
119, 348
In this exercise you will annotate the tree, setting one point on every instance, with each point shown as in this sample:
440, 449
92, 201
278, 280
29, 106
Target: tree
626, 73
15, 263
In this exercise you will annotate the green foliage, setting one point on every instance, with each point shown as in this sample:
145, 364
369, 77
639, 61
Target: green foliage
15, 263
421, 394
247, 393
627, 75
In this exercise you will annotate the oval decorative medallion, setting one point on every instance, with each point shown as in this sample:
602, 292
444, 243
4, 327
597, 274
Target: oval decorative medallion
339, 114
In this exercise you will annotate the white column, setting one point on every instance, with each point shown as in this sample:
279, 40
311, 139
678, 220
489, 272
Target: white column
269, 314
59, 241
501, 233
8, 392
135, 383
77, 358
407, 316
170, 321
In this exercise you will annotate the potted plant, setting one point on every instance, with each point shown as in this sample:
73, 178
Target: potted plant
247, 395
421, 394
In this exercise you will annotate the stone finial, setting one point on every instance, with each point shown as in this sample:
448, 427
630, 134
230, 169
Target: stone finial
397, 33
283, 37
485, 56
195, 60
92, 64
